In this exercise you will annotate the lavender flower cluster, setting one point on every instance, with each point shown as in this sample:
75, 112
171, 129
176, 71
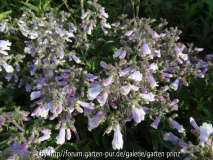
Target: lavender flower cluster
146, 65
205, 135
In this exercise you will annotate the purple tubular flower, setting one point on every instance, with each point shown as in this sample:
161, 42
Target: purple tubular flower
19, 148
91, 76
28, 87
92, 93
84, 15
165, 88
47, 133
128, 33
8, 68
168, 69
54, 59
194, 124
125, 89
59, 108
188, 158
59, 78
152, 81
150, 96
61, 54
32, 69
104, 14
117, 142
16, 78
175, 101
132, 37
82, 93
134, 88
17, 68
120, 53
177, 50
123, 55
200, 75
138, 114
185, 83
201, 64
146, 109
95, 121
72, 93
62, 83
35, 95
199, 49
32, 137
79, 109
65, 70
102, 100
179, 61
76, 59
113, 105
35, 111
145, 49
2, 121
86, 105
68, 134
170, 137
183, 144
156, 122
108, 81
143, 89
177, 126
153, 33
167, 75
137, 76
205, 131
126, 71
61, 136
103, 64
175, 84
43, 112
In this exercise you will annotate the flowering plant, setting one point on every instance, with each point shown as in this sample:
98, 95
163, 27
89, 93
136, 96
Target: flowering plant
110, 74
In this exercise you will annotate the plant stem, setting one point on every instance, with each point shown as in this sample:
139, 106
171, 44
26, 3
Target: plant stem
78, 139
82, 6
133, 11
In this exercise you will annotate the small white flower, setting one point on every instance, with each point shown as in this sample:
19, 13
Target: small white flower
137, 76
34, 35
153, 66
7, 67
35, 95
107, 25
205, 131
43, 112
117, 142
92, 93
76, 59
61, 136
150, 96
125, 89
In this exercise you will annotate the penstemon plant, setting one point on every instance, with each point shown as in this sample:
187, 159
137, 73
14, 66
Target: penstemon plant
144, 67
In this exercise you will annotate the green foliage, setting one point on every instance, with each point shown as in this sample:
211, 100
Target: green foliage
194, 18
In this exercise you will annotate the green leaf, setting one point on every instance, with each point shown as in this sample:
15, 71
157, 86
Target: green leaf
31, 6
134, 146
4, 14
154, 141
